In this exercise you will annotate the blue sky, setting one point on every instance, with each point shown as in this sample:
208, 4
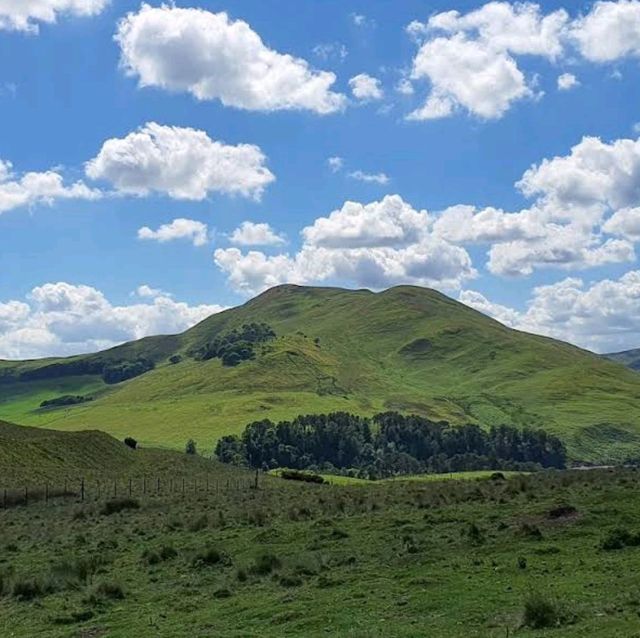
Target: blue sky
118, 117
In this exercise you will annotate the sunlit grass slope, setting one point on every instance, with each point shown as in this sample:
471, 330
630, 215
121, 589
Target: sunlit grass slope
407, 348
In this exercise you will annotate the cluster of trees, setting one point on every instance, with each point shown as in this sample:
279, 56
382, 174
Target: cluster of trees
111, 371
389, 444
123, 370
237, 345
65, 399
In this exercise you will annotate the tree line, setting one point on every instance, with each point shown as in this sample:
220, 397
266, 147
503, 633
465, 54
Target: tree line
388, 444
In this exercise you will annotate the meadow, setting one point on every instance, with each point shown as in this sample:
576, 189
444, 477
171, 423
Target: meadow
546, 554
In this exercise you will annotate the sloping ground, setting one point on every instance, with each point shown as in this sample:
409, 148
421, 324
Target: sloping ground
29, 456
407, 348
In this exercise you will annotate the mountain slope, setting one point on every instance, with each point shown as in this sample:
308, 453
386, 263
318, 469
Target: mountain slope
407, 348
629, 358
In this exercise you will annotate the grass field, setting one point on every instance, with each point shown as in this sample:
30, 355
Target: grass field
408, 349
443, 559
337, 479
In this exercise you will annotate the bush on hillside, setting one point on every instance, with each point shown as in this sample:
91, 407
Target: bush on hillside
190, 447
131, 442
66, 399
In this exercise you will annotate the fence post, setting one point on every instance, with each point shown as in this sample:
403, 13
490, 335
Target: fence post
115, 487
129, 487
158, 485
4, 499
46, 492
26, 495
256, 481
82, 490
183, 485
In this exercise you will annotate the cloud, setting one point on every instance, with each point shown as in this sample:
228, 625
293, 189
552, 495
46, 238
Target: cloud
603, 316
331, 51
593, 176
468, 74
63, 319
213, 57
180, 228
467, 224
183, 163
148, 292
469, 59
24, 15
388, 222
567, 81
374, 245
375, 178
30, 189
250, 234
609, 32
563, 247
366, 88
624, 223
335, 164
578, 198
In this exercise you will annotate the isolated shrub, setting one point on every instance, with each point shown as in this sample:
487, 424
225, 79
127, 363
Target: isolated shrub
290, 580
176, 358
528, 530
109, 590
265, 563
497, 476
522, 562
561, 511
619, 539
223, 592
29, 588
474, 534
295, 475
116, 505
72, 573
209, 557
541, 612
131, 442
190, 447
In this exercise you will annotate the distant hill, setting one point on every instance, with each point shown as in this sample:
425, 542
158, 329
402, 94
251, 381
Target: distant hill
407, 348
629, 358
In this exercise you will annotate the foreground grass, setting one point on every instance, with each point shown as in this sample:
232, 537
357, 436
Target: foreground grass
398, 559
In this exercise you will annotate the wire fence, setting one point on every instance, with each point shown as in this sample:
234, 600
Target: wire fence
90, 490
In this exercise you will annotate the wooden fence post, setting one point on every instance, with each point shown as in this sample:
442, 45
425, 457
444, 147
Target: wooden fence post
46, 492
129, 487
158, 485
26, 495
82, 489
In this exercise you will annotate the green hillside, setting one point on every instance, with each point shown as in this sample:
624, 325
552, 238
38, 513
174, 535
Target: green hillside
407, 348
32, 456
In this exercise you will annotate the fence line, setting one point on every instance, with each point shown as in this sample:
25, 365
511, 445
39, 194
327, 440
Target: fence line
91, 490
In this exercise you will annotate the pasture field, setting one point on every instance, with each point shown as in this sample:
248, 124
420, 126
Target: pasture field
533, 555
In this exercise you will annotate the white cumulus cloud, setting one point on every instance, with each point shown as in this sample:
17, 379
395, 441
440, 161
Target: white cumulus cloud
25, 15
366, 88
375, 245
60, 319
183, 163
214, 57
194, 231
31, 188
252, 234
567, 81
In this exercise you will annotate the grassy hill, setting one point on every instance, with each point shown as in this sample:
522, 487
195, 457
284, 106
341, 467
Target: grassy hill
32, 456
408, 348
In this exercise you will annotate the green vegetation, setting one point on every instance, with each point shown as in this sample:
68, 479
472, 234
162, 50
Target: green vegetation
389, 444
526, 555
65, 399
406, 349
237, 345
